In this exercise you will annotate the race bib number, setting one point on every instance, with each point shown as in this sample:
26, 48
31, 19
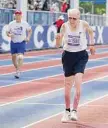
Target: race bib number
73, 40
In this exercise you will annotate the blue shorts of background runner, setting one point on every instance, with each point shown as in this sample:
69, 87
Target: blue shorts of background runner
18, 47
74, 62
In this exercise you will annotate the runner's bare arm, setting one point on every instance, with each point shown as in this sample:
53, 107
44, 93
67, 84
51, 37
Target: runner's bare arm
29, 33
90, 32
91, 37
59, 36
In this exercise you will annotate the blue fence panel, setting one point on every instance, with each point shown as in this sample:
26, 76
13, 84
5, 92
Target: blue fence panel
6, 15
43, 17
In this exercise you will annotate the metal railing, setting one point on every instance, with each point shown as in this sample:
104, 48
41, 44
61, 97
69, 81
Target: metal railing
94, 20
6, 15
47, 17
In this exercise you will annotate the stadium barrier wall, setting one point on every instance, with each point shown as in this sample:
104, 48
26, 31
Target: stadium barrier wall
43, 37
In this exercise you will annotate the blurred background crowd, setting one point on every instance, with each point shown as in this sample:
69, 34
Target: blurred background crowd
46, 5
56, 6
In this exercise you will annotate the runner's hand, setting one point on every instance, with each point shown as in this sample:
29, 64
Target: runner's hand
27, 39
10, 35
92, 50
58, 40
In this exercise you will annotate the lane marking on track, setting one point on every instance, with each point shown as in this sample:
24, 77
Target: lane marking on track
53, 66
31, 62
35, 96
43, 60
32, 69
82, 105
44, 77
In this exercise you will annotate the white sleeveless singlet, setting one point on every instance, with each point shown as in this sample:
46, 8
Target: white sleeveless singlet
74, 41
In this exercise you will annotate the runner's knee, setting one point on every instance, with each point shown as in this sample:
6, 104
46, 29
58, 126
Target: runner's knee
20, 57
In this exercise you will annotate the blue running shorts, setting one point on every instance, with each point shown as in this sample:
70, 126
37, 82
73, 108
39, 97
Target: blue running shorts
18, 47
74, 62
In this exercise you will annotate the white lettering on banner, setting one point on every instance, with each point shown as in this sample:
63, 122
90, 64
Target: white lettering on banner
40, 29
51, 29
94, 33
5, 44
48, 39
38, 44
100, 38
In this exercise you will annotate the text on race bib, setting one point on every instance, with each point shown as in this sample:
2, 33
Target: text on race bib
73, 40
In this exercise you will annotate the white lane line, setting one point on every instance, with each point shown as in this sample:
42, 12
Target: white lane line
28, 81
100, 59
43, 77
56, 90
32, 69
82, 105
32, 62
43, 60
